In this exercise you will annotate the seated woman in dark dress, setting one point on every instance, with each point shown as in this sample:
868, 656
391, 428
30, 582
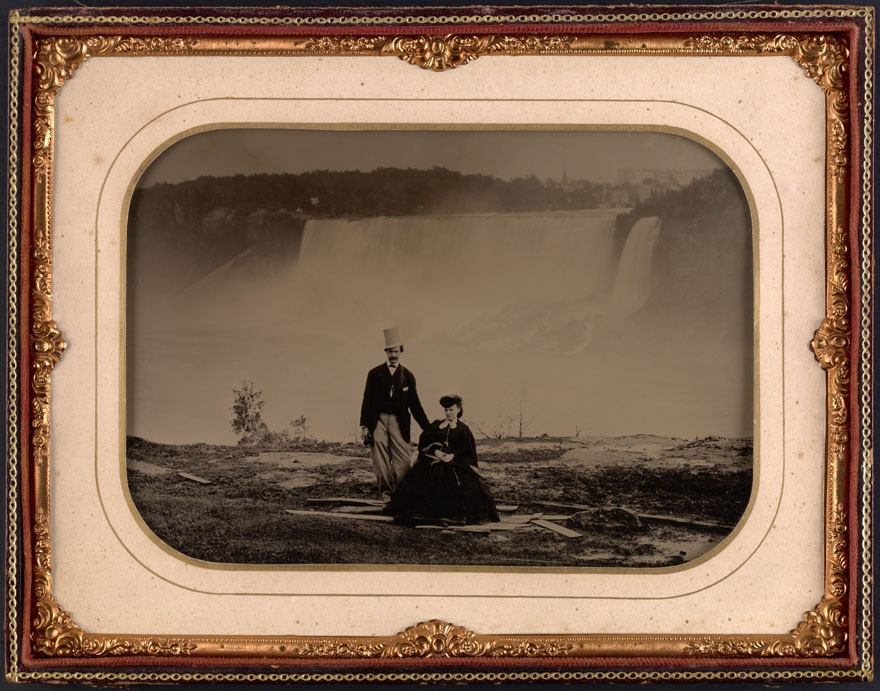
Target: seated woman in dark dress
444, 485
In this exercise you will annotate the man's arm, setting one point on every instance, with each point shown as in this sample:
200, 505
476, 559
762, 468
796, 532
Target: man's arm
365, 403
415, 405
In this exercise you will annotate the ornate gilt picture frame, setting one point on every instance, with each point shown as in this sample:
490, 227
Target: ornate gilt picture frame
53, 50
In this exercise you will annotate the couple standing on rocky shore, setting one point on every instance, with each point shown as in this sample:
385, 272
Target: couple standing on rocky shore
444, 485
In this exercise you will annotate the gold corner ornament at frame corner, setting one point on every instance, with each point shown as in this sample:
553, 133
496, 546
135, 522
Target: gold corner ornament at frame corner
823, 630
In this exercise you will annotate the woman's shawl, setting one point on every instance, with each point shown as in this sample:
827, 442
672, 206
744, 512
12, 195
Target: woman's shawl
462, 444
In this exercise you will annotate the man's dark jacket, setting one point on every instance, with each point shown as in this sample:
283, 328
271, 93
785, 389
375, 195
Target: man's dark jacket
405, 399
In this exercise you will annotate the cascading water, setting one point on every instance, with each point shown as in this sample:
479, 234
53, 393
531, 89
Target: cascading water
494, 281
632, 283
443, 276
505, 255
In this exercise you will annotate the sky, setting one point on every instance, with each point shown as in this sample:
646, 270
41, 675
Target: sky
588, 155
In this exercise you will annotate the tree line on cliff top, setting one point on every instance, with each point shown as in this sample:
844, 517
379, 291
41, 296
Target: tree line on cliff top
380, 192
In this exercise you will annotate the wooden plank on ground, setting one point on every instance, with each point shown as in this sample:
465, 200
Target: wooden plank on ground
345, 500
195, 478
358, 509
456, 528
646, 516
565, 506
556, 528
490, 526
684, 521
476, 528
355, 516
521, 518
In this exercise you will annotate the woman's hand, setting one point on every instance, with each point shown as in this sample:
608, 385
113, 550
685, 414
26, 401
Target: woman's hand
446, 457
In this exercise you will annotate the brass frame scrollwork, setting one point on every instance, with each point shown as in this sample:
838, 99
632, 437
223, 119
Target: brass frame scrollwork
824, 630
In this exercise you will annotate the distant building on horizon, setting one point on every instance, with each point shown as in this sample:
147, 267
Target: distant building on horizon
649, 181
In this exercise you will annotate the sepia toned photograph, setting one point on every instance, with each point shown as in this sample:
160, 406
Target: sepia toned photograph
440, 347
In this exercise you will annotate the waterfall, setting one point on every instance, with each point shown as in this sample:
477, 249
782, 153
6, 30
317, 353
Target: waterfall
508, 256
632, 283
437, 274
502, 282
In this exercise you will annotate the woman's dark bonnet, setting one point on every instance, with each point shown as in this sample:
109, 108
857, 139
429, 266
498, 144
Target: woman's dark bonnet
451, 400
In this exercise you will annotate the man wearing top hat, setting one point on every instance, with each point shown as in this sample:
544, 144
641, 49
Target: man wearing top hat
389, 397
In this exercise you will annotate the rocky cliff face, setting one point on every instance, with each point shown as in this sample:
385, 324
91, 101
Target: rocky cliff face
703, 260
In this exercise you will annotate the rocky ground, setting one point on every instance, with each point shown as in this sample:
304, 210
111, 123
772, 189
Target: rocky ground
642, 501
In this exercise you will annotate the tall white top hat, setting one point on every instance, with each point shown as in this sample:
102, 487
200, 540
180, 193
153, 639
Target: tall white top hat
392, 337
